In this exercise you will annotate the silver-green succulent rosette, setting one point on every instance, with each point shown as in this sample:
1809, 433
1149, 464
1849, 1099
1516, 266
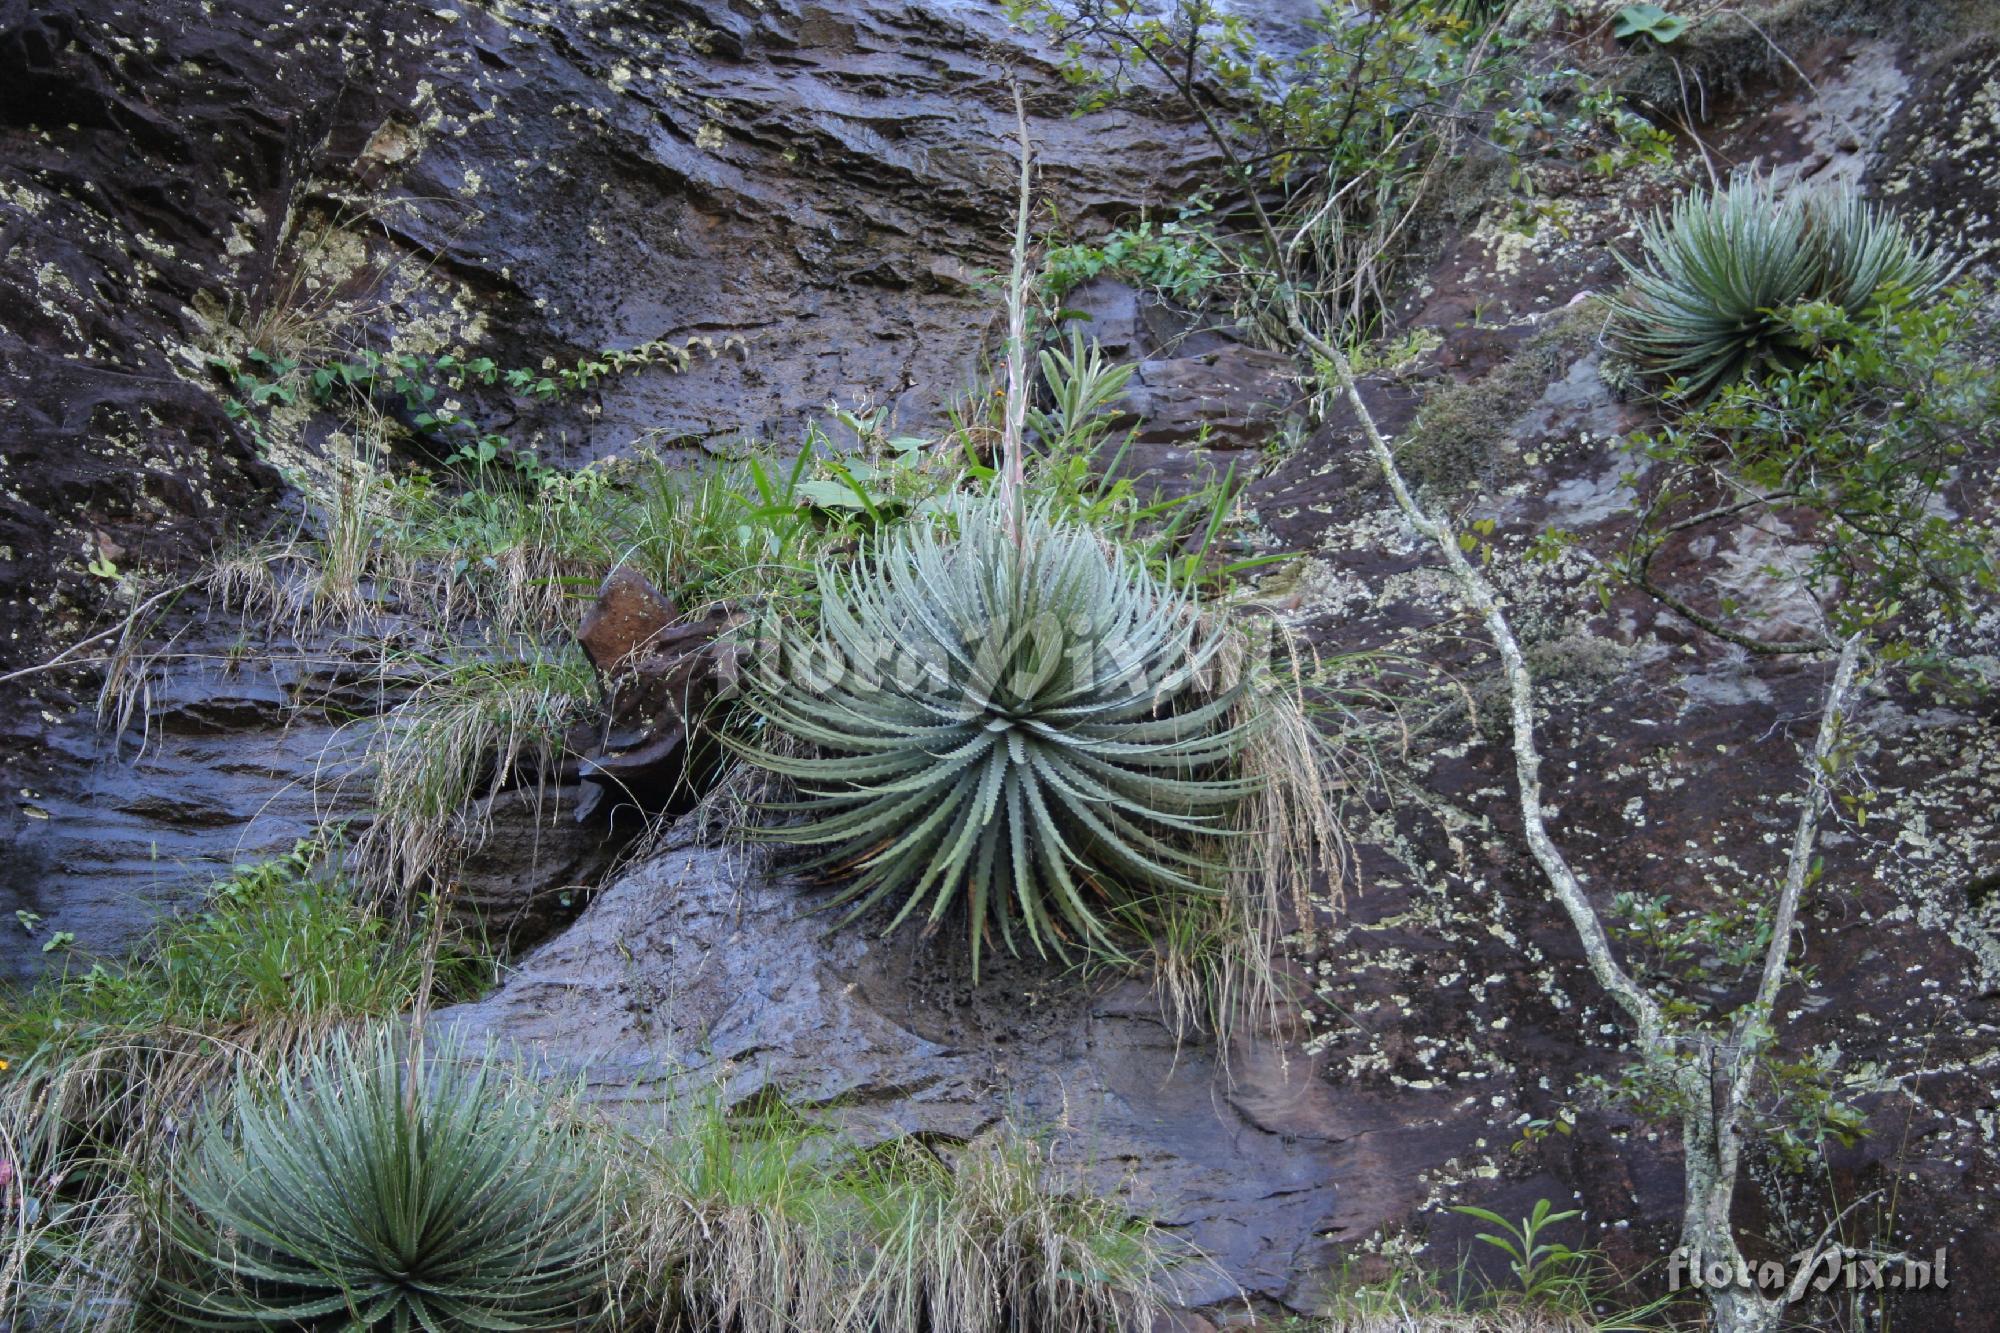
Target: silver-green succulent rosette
1021, 722
1708, 300
367, 1187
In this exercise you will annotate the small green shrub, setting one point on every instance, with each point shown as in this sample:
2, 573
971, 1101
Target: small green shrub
1706, 303
1863, 451
360, 383
369, 1187
1019, 725
1179, 260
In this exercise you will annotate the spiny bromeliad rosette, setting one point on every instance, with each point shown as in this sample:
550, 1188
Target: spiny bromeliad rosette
1707, 302
369, 1187
1021, 725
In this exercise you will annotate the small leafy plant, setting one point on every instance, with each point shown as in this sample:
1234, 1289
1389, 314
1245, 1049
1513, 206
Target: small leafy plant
1707, 301
1547, 1270
369, 1187
1865, 451
422, 385
1179, 260
1650, 21
1012, 719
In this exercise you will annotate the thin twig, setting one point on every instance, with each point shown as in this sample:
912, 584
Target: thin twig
1821, 770
1611, 975
1013, 483
62, 657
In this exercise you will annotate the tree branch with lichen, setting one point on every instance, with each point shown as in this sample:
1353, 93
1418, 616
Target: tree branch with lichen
1713, 1080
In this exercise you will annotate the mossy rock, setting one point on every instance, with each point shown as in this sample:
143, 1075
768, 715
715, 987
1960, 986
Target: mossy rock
1457, 439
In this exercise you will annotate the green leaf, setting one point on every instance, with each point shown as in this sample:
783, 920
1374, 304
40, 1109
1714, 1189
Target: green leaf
1647, 20
827, 493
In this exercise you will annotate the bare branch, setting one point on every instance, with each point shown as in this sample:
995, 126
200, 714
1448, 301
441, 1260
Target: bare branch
1013, 428
1822, 769
123, 626
1485, 599
1686, 611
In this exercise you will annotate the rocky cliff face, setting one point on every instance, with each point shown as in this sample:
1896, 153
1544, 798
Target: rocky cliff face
816, 193
822, 191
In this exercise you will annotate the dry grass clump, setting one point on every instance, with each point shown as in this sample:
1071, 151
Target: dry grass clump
468, 731
763, 1222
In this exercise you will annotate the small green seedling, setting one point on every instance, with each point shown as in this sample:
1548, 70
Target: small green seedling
1635, 21
1545, 1269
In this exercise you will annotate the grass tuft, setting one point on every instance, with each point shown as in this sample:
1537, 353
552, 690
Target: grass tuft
469, 731
764, 1221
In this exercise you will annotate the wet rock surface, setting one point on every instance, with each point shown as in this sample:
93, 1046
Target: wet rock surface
827, 186
231, 762
99, 840
724, 970
812, 191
